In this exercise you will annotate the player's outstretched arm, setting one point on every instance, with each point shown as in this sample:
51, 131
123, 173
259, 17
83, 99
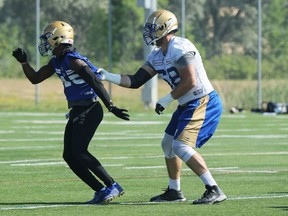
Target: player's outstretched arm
129, 81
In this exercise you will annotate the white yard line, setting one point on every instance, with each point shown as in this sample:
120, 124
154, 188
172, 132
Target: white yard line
36, 206
103, 122
142, 136
152, 156
57, 162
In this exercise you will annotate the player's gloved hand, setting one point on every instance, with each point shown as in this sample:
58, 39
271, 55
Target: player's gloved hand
163, 103
105, 75
20, 54
120, 113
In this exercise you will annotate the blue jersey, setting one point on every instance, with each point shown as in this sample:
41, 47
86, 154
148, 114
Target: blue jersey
75, 88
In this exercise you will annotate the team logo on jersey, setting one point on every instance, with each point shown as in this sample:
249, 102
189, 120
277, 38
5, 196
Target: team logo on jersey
157, 62
197, 92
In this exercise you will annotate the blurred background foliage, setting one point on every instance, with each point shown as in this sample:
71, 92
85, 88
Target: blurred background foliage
224, 31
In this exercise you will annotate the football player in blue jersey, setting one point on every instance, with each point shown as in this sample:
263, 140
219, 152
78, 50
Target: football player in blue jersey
179, 63
82, 88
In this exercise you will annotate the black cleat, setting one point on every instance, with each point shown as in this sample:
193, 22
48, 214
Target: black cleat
169, 195
213, 194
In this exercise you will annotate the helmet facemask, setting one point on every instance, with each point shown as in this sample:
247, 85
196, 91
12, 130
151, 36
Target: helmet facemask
44, 47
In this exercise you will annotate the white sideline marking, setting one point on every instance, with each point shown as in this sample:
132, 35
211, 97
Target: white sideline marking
255, 136
148, 137
28, 147
218, 169
23, 161
6, 131
103, 122
24, 207
31, 140
58, 163
6, 114
237, 170
258, 197
60, 146
145, 167
39, 207
153, 156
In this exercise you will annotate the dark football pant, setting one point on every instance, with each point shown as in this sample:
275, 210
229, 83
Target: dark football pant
80, 128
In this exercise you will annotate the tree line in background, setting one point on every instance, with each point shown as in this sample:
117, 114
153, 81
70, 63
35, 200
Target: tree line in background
224, 31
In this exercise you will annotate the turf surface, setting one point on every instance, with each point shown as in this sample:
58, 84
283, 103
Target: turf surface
247, 156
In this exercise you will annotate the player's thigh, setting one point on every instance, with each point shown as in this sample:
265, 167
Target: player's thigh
199, 121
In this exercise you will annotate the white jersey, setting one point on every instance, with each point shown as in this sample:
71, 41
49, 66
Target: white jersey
165, 65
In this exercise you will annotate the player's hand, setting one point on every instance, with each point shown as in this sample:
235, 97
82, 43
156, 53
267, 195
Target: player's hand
110, 77
20, 54
159, 109
101, 74
120, 113
163, 103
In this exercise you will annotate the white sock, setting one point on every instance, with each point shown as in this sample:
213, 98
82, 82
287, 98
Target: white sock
208, 179
174, 184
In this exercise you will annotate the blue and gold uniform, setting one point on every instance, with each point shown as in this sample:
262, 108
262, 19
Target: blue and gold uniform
199, 110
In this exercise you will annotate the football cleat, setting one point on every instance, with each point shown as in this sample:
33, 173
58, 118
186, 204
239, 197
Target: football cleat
170, 195
213, 194
116, 190
101, 197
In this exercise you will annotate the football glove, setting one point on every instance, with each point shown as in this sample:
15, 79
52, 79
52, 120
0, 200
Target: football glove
163, 103
20, 54
105, 75
120, 113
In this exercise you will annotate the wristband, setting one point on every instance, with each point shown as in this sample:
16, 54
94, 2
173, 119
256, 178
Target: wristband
165, 100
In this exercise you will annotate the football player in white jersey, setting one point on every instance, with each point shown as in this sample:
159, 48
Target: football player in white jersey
179, 63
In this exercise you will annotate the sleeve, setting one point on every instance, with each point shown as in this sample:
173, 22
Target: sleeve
185, 60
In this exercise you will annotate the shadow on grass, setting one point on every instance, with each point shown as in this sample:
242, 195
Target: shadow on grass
284, 208
63, 204
41, 203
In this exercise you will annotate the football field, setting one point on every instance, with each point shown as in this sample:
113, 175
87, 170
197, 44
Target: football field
248, 157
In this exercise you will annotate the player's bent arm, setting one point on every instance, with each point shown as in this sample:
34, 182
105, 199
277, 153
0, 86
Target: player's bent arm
36, 77
188, 81
85, 72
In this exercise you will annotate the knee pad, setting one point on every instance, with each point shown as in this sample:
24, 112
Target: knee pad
182, 150
167, 146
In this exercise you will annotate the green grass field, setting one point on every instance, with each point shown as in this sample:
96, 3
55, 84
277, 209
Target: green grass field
247, 156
